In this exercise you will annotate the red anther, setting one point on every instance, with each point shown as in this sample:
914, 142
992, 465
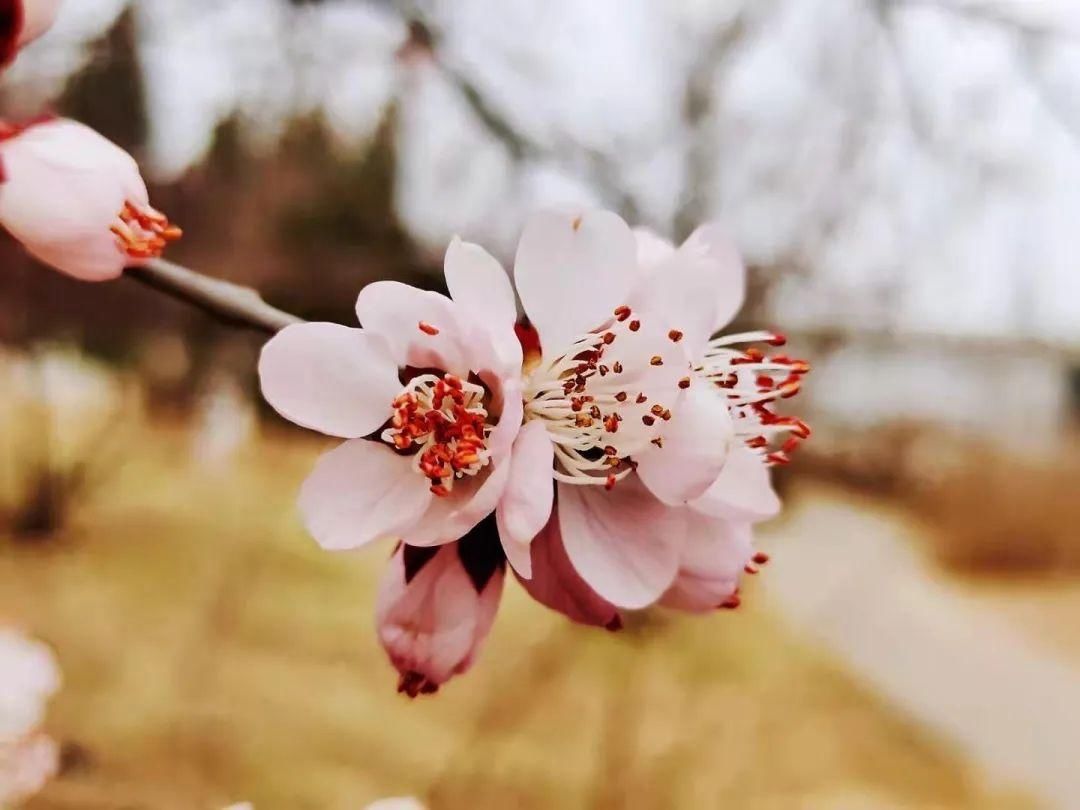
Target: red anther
789, 389
764, 381
648, 420
777, 458
583, 421
640, 399
778, 339
453, 381
576, 404
755, 354
791, 445
611, 423
760, 558
610, 451
675, 335
666, 415
603, 371
620, 396
684, 383
657, 409
656, 360
750, 568
622, 313
659, 442
801, 429
731, 602
635, 325
756, 442
609, 484
427, 328
617, 367
440, 490
800, 367
594, 411
609, 338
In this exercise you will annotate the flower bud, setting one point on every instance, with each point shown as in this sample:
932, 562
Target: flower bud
76, 201
435, 609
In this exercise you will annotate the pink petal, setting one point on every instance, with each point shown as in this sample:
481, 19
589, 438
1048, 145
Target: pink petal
695, 447
526, 504
360, 492
624, 543
712, 561
742, 491
38, 17
482, 290
571, 273
695, 291
433, 626
329, 378
556, 584
396, 311
713, 244
652, 249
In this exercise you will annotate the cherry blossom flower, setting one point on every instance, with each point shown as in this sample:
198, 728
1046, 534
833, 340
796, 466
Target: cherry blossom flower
611, 409
428, 396
28, 678
436, 606
23, 21
658, 436
76, 201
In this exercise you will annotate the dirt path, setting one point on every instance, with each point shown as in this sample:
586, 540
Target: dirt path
849, 574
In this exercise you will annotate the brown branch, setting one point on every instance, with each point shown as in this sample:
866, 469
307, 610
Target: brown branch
230, 303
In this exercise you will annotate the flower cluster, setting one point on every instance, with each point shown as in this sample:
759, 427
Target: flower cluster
606, 446
28, 677
73, 199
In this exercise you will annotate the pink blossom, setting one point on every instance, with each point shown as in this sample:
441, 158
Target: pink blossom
436, 607
28, 678
23, 21
77, 201
428, 396
632, 430
656, 442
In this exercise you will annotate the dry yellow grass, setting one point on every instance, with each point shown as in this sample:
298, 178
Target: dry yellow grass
212, 654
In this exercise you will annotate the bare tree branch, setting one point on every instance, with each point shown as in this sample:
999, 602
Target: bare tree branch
230, 303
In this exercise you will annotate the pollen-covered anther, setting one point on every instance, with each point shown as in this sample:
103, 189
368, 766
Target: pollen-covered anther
427, 328
656, 360
444, 421
684, 383
675, 335
143, 232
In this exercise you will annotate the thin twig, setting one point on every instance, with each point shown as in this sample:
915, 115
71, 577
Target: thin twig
229, 303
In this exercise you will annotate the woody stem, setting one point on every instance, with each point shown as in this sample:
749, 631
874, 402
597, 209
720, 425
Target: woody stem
230, 303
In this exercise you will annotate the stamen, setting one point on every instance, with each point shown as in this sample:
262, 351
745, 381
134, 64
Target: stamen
444, 421
143, 232
428, 329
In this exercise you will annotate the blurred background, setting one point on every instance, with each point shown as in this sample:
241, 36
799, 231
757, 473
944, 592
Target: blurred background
903, 178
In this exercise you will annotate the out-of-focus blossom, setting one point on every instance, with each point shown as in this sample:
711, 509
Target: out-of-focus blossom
23, 21
428, 394
28, 678
436, 607
76, 201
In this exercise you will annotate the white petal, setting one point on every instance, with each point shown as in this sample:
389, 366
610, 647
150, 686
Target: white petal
572, 271
329, 378
526, 503
359, 492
